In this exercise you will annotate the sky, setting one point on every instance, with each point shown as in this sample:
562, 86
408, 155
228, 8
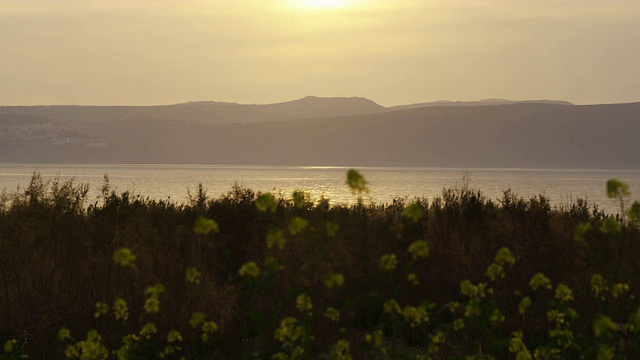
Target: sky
144, 52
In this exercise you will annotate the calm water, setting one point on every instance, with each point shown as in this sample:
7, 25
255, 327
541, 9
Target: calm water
172, 181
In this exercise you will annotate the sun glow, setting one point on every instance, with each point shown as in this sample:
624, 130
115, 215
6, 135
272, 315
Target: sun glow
321, 4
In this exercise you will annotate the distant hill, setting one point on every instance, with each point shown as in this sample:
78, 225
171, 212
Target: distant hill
524, 135
208, 112
484, 102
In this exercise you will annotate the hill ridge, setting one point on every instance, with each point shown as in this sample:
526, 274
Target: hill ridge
521, 135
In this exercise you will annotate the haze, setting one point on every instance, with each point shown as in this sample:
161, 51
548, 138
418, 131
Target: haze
394, 52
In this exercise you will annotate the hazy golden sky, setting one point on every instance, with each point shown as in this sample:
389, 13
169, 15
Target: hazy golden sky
262, 51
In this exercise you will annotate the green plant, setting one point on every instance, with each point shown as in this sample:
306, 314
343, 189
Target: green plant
252, 275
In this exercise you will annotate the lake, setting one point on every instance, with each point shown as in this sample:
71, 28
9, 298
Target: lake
172, 181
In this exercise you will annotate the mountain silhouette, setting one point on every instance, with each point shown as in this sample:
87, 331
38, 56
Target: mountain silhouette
330, 131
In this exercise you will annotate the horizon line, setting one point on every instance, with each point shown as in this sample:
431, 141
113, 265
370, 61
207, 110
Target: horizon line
444, 101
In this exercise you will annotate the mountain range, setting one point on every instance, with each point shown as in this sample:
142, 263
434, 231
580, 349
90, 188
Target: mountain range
329, 131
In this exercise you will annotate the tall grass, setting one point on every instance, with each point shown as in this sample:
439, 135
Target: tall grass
251, 275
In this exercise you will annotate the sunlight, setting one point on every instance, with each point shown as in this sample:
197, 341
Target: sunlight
321, 4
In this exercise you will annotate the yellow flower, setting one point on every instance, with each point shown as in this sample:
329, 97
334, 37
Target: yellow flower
563, 293
101, 309
618, 289
147, 330
197, 318
540, 281
412, 212
155, 290
124, 257
8, 345
332, 313
208, 328
496, 317
120, 309
374, 339
599, 286
289, 330
391, 307
266, 202
356, 182
524, 304
193, 276
334, 280
174, 336
275, 237
388, 262
518, 347
92, 347
415, 316
303, 303
332, 229
555, 316
204, 226
504, 257
152, 305
64, 334
469, 290
71, 352
603, 324
413, 278
340, 351
297, 225
419, 249
495, 272
249, 269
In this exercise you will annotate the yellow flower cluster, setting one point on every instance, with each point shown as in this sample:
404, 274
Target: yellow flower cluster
472, 291
208, 328
249, 269
332, 314
124, 257
152, 304
289, 330
120, 309
340, 351
415, 316
275, 238
539, 281
334, 280
303, 303
266, 202
8, 346
193, 276
147, 330
419, 249
563, 293
518, 347
388, 262
599, 286
391, 307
